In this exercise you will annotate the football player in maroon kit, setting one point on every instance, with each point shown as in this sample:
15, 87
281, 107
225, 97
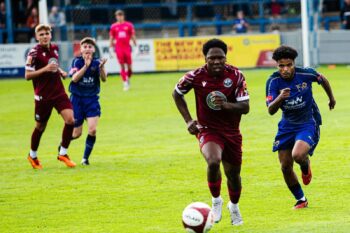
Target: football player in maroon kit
221, 99
43, 69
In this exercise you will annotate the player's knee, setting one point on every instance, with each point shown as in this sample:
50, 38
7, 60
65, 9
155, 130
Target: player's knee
41, 127
298, 157
92, 131
213, 164
69, 121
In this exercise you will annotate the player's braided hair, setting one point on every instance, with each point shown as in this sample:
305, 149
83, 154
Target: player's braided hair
214, 43
284, 52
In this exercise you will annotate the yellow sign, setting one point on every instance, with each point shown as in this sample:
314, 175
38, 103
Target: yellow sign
246, 51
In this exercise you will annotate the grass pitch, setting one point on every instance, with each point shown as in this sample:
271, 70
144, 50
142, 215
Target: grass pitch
145, 167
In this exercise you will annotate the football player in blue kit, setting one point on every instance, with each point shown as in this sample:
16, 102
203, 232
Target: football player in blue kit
290, 89
86, 72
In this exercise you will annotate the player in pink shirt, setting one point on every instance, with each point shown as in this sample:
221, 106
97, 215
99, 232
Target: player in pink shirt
120, 34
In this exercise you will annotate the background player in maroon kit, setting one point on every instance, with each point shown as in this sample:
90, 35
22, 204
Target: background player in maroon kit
119, 36
43, 69
221, 99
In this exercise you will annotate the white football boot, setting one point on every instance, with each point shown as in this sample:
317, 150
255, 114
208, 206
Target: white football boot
126, 86
236, 218
217, 208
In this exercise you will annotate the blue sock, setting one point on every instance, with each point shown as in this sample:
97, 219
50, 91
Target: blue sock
297, 191
89, 144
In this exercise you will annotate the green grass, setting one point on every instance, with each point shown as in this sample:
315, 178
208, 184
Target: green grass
146, 168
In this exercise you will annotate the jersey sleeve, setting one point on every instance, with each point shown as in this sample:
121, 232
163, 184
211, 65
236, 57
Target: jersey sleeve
315, 76
31, 59
272, 90
185, 84
241, 92
76, 66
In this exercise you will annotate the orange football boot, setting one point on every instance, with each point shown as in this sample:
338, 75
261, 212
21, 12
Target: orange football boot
301, 204
65, 159
34, 162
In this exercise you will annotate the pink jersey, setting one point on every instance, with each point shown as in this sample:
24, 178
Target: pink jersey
232, 84
122, 33
49, 85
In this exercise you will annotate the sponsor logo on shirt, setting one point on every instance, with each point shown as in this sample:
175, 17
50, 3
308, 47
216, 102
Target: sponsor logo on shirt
228, 82
53, 61
295, 103
210, 99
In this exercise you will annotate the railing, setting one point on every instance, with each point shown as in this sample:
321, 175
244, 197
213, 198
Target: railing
188, 24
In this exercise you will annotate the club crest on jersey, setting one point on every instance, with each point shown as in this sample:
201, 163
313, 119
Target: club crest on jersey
204, 83
302, 86
44, 54
228, 82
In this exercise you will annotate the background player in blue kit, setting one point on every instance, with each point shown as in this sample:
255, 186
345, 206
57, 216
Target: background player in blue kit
86, 73
290, 89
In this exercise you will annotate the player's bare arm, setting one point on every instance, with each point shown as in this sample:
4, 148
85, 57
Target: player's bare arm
133, 38
327, 87
30, 74
63, 73
192, 125
111, 46
276, 104
241, 107
103, 73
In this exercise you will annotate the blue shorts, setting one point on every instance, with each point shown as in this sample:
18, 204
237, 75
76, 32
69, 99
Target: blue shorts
286, 138
85, 107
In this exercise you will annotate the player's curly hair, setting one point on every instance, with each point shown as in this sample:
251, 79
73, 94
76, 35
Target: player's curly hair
214, 43
284, 52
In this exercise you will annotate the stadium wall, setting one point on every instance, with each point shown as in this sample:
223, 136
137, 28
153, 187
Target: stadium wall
175, 54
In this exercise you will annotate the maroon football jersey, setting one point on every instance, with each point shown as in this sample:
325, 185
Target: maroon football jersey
49, 85
231, 85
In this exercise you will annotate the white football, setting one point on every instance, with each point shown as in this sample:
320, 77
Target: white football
197, 218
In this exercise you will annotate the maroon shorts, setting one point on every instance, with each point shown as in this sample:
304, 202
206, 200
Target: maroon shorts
230, 143
43, 108
124, 55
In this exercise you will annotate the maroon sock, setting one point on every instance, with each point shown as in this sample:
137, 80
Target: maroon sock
129, 73
234, 195
215, 188
36, 135
67, 135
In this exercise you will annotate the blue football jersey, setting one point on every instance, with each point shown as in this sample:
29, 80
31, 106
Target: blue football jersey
299, 107
89, 84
